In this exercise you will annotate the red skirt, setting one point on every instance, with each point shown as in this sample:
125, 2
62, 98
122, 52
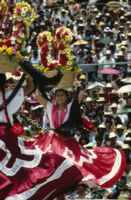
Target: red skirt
47, 165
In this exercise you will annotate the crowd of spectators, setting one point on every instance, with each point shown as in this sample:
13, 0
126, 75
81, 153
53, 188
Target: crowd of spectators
107, 32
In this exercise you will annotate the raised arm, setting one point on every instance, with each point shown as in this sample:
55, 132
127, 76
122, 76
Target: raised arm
80, 96
40, 98
29, 85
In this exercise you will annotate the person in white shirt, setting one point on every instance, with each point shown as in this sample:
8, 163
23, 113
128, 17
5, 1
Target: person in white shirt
120, 133
17, 101
107, 60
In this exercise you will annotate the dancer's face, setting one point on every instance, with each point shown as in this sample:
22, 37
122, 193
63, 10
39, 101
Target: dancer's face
61, 98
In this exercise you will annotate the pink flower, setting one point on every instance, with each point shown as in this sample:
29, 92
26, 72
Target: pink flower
19, 23
13, 50
20, 30
18, 10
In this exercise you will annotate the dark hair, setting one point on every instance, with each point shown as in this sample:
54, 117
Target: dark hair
2, 80
84, 138
61, 90
66, 130
98, 137
108, 121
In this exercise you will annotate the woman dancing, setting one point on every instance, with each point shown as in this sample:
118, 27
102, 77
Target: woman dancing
33, 170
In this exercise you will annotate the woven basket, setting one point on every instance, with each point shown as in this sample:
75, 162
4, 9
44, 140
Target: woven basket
8, 65
67, 79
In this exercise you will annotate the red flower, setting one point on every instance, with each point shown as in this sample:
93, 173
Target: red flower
45, 49
19, 23
7, 43
61, 29
44, 60
39, 43
15, 33
63, 59
58, 37
18, 46
61, 47
52, 66
16, 74
18, 10
17, 129
20, 69
64, 35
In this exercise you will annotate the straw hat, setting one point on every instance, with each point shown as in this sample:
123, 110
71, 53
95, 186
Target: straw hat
108, 113
129, 130
101, 99
107, 29
95, 10
122, 17
123, 47
82, 77
112, 135
125, 146
102, 126
120, 143
114, 92
107, 14
90, 145
88, 99
108, 52
108, 85
120, 53
111, 44
114, 105
120, 126
127, 139
101, 92
101, 24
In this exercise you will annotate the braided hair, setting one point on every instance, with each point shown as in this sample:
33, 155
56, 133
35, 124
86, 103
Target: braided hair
2, 81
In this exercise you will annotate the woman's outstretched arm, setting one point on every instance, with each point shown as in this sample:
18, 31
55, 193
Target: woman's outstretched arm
40, 98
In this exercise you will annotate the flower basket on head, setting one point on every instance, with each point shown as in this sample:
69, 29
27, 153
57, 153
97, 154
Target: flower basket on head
56, 53
67, 79
13, 39
7, 64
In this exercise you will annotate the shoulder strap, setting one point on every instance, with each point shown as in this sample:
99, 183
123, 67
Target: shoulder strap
13, 94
